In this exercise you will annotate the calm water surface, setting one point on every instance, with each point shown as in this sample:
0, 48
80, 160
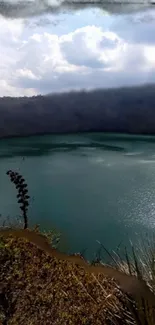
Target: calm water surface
90, 186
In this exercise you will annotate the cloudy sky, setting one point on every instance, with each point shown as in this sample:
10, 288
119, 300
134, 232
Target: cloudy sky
76, 49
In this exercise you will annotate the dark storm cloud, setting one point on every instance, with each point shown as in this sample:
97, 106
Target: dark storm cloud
22, 9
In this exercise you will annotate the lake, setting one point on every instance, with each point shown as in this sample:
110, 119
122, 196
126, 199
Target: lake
88, 186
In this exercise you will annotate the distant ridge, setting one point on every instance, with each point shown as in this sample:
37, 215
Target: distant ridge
124, 110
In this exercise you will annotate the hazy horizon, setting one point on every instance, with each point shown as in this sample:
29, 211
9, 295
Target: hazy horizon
78, 91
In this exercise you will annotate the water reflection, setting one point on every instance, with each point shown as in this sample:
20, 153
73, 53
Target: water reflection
46, 145
52, 144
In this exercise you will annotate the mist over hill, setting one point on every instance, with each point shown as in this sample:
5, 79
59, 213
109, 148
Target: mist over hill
129, 110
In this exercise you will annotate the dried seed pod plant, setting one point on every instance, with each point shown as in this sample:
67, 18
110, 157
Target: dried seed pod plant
22, 196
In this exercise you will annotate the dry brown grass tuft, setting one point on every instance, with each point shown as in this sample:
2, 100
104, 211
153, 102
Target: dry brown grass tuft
39, 289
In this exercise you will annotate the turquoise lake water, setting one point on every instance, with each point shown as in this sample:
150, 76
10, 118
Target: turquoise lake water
89, 186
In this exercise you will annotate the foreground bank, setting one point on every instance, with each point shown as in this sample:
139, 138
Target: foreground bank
38, 289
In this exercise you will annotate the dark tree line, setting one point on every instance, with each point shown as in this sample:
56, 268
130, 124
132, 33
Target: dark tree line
130, 110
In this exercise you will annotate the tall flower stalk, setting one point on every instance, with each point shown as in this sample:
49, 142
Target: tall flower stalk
22, 196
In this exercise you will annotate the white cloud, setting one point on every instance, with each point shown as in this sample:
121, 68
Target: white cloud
26, 74
7, 90
10, 30
10, 40
90, 46
149, 53
88, 57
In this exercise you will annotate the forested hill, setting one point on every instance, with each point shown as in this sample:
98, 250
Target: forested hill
130, 110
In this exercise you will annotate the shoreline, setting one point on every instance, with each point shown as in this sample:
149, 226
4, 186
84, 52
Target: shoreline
106, 133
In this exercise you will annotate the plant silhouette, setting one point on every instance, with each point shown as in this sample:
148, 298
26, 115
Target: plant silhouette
22, 196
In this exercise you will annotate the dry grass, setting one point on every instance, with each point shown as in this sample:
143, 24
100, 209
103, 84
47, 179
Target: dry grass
38, 289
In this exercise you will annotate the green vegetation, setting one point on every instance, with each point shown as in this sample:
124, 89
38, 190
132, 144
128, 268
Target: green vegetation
38, 288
